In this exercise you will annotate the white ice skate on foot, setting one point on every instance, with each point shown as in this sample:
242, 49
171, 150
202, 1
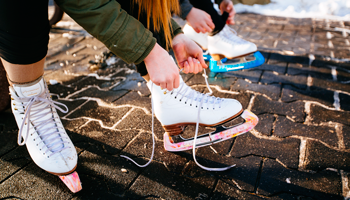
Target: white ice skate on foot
184, 106
42, 132
200, 38
227, 45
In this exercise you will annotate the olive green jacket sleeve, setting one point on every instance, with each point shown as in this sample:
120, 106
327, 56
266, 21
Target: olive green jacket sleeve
176, 28
105, 20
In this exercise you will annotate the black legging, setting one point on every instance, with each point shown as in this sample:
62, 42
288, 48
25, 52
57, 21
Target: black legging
207, 6
24, 31
31, 17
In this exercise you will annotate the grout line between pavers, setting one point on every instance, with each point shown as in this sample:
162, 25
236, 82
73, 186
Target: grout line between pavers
211, 193
345, 184
257, 183
302, 154
339, 132
15, 172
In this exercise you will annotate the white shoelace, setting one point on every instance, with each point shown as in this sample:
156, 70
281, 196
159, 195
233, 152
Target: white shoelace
35, 110
193, 95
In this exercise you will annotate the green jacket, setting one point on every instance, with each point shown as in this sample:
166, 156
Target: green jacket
124, 35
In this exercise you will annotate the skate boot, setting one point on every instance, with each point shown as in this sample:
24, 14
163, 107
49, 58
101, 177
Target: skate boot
42, 132
184, 106
226, 44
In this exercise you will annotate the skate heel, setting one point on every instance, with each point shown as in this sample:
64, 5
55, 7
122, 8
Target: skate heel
217, 57
173, 130
72, 181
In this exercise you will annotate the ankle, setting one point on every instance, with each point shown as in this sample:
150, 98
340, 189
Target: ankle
12, 83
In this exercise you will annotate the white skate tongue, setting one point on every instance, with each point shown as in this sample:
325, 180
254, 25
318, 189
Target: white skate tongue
31, 89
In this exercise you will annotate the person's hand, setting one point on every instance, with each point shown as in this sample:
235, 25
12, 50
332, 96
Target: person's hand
227, 6
162, 69
200, 21
188, 54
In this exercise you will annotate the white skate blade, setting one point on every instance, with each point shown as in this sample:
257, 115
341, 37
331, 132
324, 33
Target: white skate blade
251, 120
72, 181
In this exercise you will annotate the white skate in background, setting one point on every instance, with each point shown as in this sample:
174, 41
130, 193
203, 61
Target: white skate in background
42, 132
226, 45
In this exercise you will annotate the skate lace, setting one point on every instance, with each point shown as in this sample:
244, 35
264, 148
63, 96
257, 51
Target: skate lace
196, 132
194, 96
38, 112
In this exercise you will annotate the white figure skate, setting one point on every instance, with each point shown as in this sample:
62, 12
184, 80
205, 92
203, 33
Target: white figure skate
227, 45
184, 106
43, 133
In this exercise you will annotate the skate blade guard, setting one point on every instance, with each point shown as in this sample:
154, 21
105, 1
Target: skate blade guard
221, 134
72, 181
224, 66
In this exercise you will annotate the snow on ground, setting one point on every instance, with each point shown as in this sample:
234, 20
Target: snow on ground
324, 9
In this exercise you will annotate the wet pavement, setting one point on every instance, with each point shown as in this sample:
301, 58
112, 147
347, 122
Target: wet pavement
299, 150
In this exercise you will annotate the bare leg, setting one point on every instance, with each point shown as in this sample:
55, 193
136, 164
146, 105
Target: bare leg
21, 74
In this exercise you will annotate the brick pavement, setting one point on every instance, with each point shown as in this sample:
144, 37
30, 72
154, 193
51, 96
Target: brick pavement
299, 150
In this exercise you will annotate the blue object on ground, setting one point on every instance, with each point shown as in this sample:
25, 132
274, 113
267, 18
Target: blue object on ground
259, 60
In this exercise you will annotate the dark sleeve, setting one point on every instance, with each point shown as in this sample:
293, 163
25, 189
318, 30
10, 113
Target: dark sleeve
176, 28
185, 7
108, 22
218, 1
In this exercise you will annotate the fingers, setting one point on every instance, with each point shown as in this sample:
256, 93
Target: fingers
177, 82
170, 86
203, 29
201, 61
209, 23
186, 68
207, 28
205, 25
193, 65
